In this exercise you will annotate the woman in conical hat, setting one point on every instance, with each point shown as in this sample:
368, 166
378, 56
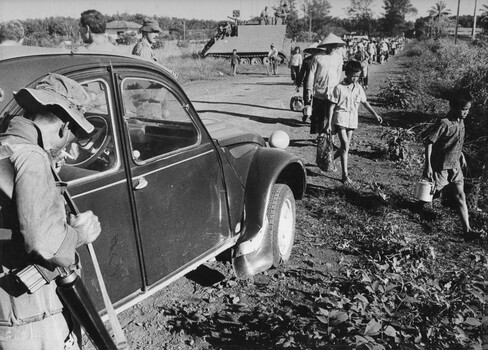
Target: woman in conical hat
325, 74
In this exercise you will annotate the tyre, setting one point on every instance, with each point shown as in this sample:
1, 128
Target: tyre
244, 61
281, 217
255, 61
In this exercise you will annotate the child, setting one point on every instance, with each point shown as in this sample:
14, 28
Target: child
296, 61
444, 157
234, 61
345, 99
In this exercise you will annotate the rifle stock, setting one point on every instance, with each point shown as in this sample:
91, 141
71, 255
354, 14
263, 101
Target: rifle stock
74, 294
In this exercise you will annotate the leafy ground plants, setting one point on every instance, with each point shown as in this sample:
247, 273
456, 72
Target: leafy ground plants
404, 289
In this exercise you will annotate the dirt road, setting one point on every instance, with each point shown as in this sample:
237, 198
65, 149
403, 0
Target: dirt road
261, 103
210, 309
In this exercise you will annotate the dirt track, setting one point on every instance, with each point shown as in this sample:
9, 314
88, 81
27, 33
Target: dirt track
210, 309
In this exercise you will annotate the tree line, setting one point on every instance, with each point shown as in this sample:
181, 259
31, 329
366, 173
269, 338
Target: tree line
307, 20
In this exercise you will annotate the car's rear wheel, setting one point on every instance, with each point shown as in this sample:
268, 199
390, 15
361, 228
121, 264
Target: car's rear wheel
281, 216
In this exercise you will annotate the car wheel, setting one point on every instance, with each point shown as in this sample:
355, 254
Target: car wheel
281, 217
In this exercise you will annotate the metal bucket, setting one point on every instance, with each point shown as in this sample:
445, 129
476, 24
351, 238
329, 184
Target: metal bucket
424, 191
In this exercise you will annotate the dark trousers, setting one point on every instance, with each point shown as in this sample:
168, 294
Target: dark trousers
294, 72
320, 114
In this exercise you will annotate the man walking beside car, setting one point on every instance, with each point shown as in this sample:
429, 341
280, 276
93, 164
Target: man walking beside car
150, 30
92, 31
325, 74
33, 222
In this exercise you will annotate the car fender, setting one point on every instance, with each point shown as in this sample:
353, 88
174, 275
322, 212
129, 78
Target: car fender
253, 252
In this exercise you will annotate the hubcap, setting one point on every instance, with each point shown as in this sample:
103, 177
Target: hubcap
285, 227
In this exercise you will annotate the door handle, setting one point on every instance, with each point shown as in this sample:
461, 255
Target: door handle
140, 183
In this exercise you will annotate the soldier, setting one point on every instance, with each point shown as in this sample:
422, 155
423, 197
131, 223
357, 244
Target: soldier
34, 225
150, 29
265, 16
92, 32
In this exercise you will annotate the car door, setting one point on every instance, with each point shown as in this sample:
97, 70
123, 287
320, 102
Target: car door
176, 175
97, 180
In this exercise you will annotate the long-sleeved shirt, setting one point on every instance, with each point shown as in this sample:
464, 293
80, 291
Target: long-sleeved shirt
296, 60
143, 48
325, 74
38, 230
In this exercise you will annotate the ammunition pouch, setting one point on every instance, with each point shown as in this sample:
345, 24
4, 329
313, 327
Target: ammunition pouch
35, 276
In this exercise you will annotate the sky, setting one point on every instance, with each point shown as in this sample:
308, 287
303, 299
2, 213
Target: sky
189, 9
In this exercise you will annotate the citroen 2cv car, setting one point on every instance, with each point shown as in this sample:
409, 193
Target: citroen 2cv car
170, 191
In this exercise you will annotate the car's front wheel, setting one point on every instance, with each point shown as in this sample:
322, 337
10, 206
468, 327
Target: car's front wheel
281, 216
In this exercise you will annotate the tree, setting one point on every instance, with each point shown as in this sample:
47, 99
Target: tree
395, 12
484, 10
439, 18
439, 11
362, 15
294, 24
484, 13
317, 11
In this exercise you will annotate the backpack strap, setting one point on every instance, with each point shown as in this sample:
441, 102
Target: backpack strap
7, 173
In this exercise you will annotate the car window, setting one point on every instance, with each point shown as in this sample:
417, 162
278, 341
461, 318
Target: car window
95, 153
157, 122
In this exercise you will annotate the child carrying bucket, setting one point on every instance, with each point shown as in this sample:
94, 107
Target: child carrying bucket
444, 157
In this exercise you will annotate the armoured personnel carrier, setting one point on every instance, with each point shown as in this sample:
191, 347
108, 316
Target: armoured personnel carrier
252, 42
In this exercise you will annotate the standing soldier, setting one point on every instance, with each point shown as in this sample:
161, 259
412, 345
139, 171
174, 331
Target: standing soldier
150, 30
92, 31
265, 16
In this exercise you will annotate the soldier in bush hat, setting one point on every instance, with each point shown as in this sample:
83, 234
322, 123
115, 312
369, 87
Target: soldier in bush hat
150, 29
33, 222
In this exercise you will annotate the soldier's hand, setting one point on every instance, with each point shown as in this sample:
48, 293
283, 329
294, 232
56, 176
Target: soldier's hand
86, 225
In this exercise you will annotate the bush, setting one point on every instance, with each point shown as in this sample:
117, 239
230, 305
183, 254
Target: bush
435, 68
183, 44
415, 51
127, 39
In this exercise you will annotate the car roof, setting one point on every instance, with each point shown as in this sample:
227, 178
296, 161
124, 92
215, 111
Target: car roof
21, 66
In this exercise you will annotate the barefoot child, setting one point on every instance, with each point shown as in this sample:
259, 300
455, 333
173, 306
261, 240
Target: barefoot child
444, 157
346, 99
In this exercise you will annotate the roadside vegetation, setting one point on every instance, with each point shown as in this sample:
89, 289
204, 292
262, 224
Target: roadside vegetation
432, 71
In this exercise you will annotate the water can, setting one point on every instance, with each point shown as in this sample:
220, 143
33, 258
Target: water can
424, 191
